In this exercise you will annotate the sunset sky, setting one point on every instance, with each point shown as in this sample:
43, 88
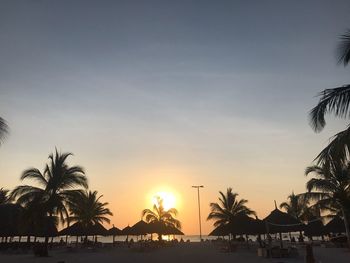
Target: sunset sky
160, 95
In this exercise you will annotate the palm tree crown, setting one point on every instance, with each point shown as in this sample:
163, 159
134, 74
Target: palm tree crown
297, 206
228, 208
159, 214
54, 187
330, 188
87, 209
335, 101
331, 184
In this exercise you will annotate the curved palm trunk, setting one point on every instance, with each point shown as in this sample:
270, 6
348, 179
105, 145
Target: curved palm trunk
346, 223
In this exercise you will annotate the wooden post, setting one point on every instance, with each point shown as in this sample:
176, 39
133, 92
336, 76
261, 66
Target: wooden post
268, 239
309, 256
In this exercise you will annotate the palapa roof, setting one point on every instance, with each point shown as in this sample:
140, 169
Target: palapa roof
336, 225
221, 230
10, 217
78, 229
140, 228
240, 225
315, 228
280, 222
114, 231
126, 231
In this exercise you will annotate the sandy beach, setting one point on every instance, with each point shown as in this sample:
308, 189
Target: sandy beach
193, 252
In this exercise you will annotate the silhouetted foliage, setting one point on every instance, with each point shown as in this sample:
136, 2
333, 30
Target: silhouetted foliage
343, 49
3, 129
86, 208
298, 207
159, 215
4, 196
228, 208
330, 188
334, 101
53, 188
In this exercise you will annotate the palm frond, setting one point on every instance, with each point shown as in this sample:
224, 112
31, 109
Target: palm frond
35, 175
4, 129
337, 149
343, 49
334, 101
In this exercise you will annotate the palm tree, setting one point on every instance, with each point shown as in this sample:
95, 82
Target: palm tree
159, 214
53, 188
330, 188
3, 129
335, 101
228, 208
86, 208
297, 206
4, 198
344, 48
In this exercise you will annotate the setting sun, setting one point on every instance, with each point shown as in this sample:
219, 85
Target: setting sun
169, 200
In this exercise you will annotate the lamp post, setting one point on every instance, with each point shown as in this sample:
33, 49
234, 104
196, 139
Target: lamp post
199, 210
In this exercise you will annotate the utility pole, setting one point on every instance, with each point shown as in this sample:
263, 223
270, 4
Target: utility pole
199, 210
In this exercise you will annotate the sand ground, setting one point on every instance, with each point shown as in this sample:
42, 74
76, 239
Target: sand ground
180, 254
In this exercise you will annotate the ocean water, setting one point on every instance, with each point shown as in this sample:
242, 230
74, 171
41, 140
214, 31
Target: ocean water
109, 239
191, 238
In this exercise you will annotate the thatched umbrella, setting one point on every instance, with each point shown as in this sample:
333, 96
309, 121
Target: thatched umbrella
336, 225
221, 230
158, 228
10, 220
126, 231
46, 228
78, 229
114, 231
280, 222
245, 225
315, 228
139, 229
174, 231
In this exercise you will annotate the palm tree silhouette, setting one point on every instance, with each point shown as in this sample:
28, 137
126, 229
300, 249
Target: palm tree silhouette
3, 129
86, 208
4, 196
335, 101
297, 206
53, 188
228, 208
159, 215
330, 188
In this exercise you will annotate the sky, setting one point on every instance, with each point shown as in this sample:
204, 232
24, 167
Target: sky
161, 95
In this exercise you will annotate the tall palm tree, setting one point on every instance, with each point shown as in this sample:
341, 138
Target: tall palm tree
86, 208
330, 188
335, 101
3, 129
4, 196
53, 188
160, 214
297, 206
228, 208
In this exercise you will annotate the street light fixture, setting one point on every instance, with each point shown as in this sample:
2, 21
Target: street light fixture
199, 210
